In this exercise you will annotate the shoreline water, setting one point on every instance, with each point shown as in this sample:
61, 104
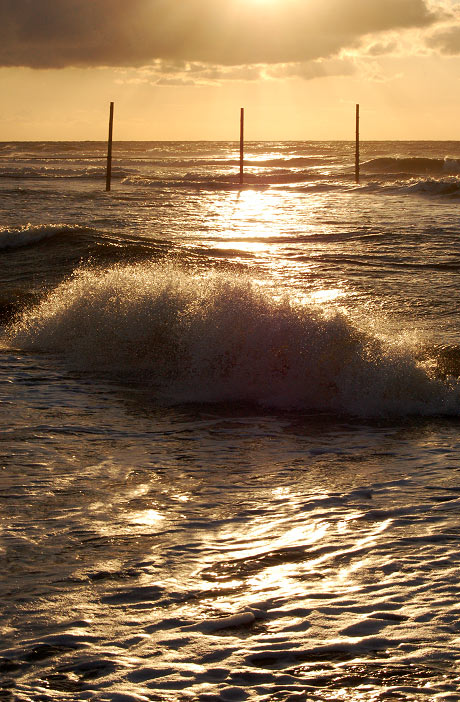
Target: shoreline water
200, 499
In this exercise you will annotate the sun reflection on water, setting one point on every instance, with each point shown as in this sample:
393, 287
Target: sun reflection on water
327, 295
148, 517
277, 237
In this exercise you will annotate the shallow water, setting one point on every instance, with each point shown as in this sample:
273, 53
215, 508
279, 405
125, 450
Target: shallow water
229, 445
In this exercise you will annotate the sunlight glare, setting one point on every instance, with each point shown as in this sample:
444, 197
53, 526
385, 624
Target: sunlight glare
326, 295
148, 517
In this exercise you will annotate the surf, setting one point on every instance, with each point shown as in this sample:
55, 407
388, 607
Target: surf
220, 337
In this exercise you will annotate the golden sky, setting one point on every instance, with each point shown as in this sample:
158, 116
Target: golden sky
181, 69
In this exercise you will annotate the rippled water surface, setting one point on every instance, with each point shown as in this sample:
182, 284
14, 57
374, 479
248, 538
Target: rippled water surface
229, 423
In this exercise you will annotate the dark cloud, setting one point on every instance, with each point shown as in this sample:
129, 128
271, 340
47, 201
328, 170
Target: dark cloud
59, 33
446, 40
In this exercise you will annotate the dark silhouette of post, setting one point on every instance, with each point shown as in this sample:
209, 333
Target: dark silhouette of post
357, 146
109, 151
242, 146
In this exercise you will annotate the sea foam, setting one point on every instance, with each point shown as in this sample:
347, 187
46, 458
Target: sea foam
189, 337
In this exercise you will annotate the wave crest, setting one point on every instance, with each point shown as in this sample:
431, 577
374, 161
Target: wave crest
32, 234
412, 165
221, 337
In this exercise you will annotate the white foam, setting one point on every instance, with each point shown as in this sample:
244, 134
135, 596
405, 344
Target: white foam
220, 337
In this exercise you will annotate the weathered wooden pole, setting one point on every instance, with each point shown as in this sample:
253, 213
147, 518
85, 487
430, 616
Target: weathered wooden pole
109, 151
242, 146
357, 146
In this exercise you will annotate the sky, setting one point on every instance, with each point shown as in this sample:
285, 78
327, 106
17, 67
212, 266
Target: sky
181, 69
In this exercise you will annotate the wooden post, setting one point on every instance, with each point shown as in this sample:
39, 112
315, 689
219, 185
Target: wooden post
109, 151
357, 146
242, 146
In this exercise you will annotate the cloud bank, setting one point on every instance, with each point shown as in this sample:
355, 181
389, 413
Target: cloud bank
90, 33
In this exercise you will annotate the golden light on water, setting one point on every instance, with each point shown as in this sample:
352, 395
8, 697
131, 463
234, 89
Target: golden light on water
254, 159
147, 517
327, 295
256, 248
255, 207
260, 227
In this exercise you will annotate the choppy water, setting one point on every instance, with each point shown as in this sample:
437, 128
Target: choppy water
229, 422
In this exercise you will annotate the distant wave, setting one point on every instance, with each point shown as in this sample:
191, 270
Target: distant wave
218, 171
219, 181
411, 166
30, 234
227, 161
60, 173
446, 187
219, 338
307, 182
59, 248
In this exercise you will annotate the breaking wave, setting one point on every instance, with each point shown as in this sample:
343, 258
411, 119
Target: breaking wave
447, 187
219, 338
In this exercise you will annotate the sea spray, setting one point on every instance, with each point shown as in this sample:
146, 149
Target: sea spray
221, 337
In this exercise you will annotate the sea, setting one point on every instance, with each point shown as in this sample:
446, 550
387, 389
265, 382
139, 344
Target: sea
229, 435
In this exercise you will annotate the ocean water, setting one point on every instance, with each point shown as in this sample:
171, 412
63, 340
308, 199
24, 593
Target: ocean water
230, 447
